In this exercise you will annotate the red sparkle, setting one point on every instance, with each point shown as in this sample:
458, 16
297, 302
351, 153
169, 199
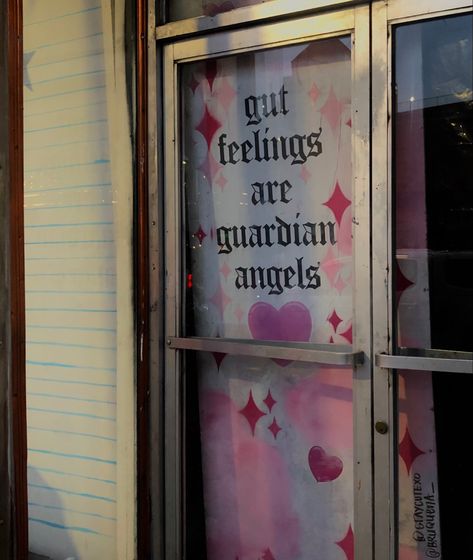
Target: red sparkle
211, 71
274, 428
348, 334
218, 357
200, 234
338, 203
268, 555
208, 126
193, 84
334, 320
252, 413
408, 450
269, 401
347, 544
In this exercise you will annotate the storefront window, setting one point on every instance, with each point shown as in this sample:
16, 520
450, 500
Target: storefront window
266, 176
433, 289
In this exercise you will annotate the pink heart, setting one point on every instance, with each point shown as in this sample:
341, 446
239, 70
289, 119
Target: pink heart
291, 323
325, 468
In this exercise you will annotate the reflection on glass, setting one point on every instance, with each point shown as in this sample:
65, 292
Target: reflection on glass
180, 9
266, 175
433, 271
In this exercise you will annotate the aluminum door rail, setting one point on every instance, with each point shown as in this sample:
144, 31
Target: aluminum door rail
296, 352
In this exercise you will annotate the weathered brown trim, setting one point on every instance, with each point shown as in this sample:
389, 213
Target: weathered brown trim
142, 279
17, 282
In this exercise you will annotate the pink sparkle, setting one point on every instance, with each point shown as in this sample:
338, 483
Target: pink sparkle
348, 123
221, 181
225, 94
225, 270
252, 413
200, 234
239, 314
209, 167
347, 544
337, 203
408, 450
208, 126
314, 93
334, 320
269, 401
305, 174
330, 266
331, 341
348, 334
220, 299
340, 284
332, 109
274, 428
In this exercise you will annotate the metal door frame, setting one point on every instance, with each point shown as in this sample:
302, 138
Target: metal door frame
354, 21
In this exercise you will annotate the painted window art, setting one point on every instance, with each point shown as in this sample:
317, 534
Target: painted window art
266, 176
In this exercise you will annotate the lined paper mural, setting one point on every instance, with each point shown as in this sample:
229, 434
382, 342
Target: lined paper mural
78, 264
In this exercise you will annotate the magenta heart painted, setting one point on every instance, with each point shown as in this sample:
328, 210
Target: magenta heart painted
292, 322
325, 468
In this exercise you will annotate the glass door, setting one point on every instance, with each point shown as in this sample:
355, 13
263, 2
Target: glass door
267, 381
424, 359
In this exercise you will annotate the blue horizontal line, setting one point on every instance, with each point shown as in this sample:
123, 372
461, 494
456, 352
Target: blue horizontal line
68, 366
27, 101
94, 329
71, 433
71, 493
44, 146
68, 187
77, 512
56, 207
65, 527
65, 77
70, 309
63, 16
64, 473
69, 242
66, 381
72, 456
68, 165
78, 224
49, 45
89, 55
53, 396
70, 125
68, 413
69, 345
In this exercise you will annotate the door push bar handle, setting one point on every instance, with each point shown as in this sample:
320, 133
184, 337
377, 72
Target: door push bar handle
296, 352
425, 363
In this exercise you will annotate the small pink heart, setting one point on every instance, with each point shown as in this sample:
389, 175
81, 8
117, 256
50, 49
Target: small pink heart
325, 468
291, 323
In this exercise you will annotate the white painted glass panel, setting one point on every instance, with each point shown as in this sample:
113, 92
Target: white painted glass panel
78, 184
266, 175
